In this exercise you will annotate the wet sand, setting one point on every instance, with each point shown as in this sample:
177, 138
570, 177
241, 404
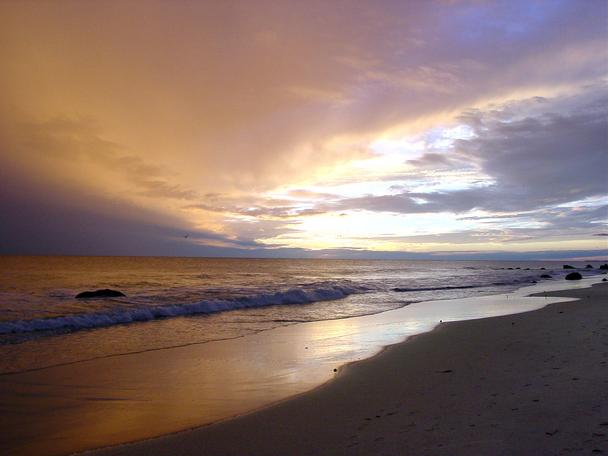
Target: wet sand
107, 401
533, 383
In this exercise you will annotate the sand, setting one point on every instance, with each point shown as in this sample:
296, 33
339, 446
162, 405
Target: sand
534, 383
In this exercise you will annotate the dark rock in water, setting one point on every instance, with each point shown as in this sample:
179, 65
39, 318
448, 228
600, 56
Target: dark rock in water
604, 266
546, 276
567, 266
510, 269
105, 293
588, 267
574, 276
543, 269
604, 280
527, 269
517, 268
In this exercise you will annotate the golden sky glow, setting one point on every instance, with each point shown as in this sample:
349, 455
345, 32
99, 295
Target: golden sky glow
264, 126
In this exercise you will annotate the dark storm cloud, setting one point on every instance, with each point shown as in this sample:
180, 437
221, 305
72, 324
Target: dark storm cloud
536, 158
48, 227
37, 220
560, 218
550, 158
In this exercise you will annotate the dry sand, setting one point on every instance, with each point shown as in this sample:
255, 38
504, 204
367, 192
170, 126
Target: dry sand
528, 384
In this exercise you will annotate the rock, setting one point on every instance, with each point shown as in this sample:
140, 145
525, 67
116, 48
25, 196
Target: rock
567, 266
588, 267
105, 293
574, 276
543, 269
546, 276
604, 266
604, 279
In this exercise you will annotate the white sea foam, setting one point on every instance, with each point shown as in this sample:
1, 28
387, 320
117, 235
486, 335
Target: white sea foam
73, 322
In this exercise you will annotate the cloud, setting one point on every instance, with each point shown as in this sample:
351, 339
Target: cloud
431, 160
162, 189
257, 208
308, 194
74, 151
534, 160
544, 163
203, 114
57, 212
163, 86
553, 157
39, 223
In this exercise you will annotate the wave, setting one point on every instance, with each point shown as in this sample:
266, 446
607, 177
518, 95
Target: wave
460, 287
326, 292
518, 281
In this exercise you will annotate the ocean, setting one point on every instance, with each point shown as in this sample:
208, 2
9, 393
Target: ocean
195, 340
172, 302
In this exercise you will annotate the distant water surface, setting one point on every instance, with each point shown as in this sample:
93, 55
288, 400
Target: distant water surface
180, 301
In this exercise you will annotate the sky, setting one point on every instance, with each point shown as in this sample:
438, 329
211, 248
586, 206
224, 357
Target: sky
342, 129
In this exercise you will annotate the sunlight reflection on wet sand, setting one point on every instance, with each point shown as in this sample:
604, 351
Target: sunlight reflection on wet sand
121, 398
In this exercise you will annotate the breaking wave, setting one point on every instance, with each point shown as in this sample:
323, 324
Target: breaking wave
74, 322
461, 287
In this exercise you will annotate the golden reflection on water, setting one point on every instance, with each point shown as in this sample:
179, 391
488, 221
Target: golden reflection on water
111, 400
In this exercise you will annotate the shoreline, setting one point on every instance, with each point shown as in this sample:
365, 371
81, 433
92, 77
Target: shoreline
106, 395
185, 345
253, 427
26, 346
17, 371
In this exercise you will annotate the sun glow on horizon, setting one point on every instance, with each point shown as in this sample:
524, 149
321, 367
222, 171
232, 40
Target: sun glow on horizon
285, 127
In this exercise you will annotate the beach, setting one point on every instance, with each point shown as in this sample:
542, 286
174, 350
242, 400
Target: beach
530, 383
277, 227
64, 404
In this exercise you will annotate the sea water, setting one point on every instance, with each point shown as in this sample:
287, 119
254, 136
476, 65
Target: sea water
174, 302
200, 340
